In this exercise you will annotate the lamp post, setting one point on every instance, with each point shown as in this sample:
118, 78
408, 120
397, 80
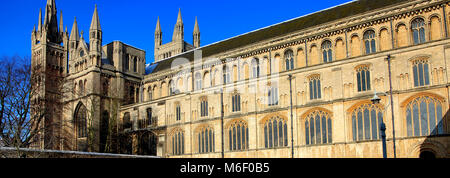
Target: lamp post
292, 115
392, 103
376, 100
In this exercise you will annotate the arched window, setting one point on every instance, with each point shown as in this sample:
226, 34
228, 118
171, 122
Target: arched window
255, 68
315, 87
203, 107
81, 121
238, 135
126, 63
424, 117
327, 52
149, 117
236, 102
418, 30
198, 81
147, 144
275, 133
289, 60
226, 75
178, 111
318, 128
127, 121
369, 42
421, 72
273, 96
150, 93
205, 140
178, 142
366, 120
363, 77
172, 90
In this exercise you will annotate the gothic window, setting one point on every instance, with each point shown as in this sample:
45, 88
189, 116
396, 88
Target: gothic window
178, 111
363, 78
421, 72
273, 96
226, 75
418, 30
205, 140
198, 81
204, 107
318, 128
147, 144
236, 102
327, 52
369, 42
275, 133
178, 143
255, 68
81, 121
366, 120
289, 60
314, 87
424, 117
238, 136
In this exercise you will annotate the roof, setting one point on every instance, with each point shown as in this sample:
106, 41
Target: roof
300, 23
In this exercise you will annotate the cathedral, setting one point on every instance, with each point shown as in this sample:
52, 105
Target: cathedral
330, 84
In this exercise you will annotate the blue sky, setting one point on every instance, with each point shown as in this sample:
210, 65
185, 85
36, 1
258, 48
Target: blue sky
134, 21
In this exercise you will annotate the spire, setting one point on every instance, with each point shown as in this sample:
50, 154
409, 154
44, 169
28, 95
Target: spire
196, 34
158, 27
196, 28
178, 32
74, 34
51, 22
95, 23
61, 26
40, 20
179, 19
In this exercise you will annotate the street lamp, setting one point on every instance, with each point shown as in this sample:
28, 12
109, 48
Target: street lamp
376, 100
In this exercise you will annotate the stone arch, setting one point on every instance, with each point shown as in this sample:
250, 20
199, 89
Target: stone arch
340, 50
80, 120
314, 54
402, 34
438, 149
355, 46
435, 26
384, 39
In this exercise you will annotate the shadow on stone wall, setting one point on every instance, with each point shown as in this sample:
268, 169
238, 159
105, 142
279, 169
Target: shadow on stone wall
437, 145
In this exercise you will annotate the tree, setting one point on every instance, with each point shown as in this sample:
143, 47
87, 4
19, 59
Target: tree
18, 127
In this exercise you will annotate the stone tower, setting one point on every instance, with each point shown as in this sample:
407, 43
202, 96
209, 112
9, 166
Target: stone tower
49, 67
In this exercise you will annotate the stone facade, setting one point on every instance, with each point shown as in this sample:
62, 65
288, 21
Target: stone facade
300, 88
